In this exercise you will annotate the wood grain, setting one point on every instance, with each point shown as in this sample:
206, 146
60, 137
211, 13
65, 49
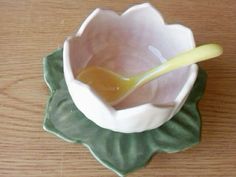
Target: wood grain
30, 29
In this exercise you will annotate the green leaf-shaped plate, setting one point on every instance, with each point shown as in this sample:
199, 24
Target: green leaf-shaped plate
120, 152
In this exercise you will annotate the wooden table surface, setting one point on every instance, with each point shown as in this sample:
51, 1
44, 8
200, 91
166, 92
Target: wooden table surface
30, 29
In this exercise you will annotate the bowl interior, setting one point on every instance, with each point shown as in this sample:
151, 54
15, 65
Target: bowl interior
129, 46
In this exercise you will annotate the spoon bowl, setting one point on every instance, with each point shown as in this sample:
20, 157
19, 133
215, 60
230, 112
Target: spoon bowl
109, 85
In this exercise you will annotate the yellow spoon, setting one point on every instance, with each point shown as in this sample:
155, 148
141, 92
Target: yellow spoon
113, 87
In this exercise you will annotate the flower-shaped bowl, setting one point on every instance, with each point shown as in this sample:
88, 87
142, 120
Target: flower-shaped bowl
129, 44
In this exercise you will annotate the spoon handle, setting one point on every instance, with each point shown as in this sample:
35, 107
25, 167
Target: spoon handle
204, 52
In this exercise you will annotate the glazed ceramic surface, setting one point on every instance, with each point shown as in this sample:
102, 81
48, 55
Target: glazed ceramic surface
127, 45
120, 152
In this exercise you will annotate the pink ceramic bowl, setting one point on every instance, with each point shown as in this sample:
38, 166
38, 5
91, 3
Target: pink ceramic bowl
128, 44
